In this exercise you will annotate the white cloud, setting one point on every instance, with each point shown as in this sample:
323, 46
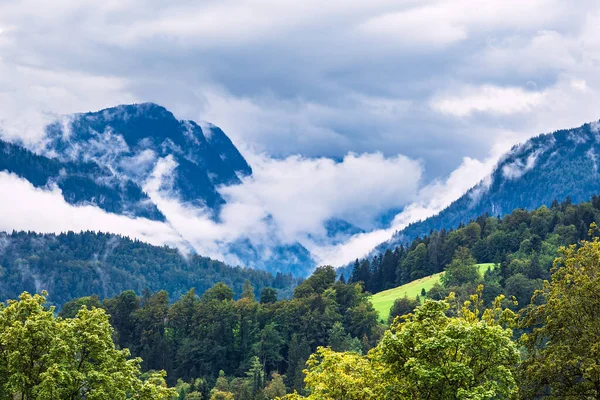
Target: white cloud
430, 200
415, 27
488, 99
32, 97
544, 51
289, 200
23, 207
516, 169
440, 23
302, 193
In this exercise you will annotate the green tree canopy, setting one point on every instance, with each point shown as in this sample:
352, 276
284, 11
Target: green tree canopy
462, 269
430, 355
564, 344
45, 358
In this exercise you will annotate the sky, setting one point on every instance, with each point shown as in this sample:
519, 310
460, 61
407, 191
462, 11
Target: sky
345, 109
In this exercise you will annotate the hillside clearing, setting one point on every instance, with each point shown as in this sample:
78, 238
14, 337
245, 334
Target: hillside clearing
383, 301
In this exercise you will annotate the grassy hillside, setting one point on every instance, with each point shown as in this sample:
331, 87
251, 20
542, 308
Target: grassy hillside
383, 301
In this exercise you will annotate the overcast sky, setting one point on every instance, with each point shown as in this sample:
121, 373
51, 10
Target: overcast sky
433, 91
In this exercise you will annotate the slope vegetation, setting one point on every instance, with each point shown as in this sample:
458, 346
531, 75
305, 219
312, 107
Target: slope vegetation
383, 301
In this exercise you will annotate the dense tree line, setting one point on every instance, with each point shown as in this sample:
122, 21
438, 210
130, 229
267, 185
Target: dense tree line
261, 337
523, 244
73, 265
446, 349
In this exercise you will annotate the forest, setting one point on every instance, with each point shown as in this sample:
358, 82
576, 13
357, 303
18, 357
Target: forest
527, 329
72, 265
523, 245
444, 349
252, 347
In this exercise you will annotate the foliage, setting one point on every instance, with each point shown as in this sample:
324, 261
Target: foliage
73, 265
44, 357
430, 355
403, 306
332, 376
462, 270
248, 340
522, 244
563, 344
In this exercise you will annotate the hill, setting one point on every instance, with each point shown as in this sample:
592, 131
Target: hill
73, 265
546, 168
384, 300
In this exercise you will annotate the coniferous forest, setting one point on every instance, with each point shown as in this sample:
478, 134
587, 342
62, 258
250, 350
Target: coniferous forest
72, 265
299, 200
525, 329
522, 245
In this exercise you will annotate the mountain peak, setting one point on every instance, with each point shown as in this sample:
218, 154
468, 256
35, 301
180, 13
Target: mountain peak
125, 111
130, 140
547, 167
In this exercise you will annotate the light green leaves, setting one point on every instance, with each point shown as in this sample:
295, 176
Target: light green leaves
48, 358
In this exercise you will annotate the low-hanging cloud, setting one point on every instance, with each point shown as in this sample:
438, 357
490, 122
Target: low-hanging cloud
368, 81
285, 201
430, 200
289, 200
302, 193
24, 207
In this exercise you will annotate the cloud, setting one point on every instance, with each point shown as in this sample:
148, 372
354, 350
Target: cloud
302, 193
441, 23
32, 97
301, 84
488, 99
413, 28
283, 202
29, 208
289, 200
516, 169
430, 200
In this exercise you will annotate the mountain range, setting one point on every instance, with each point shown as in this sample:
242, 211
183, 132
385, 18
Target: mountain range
547, 168
107, 159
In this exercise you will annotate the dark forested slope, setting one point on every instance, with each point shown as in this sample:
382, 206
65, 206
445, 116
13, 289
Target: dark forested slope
79, 182
523, 244
546, 168
72, 265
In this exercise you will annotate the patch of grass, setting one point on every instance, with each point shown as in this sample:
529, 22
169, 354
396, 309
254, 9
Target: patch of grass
383, 301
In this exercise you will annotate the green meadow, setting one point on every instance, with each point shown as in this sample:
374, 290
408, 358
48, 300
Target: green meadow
383, 301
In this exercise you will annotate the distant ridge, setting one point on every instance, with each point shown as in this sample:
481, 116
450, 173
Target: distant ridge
545, 168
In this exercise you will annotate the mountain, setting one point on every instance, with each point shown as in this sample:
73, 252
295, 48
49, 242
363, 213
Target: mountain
549, 167
80, 182
73, 265
109, 158
130, 140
